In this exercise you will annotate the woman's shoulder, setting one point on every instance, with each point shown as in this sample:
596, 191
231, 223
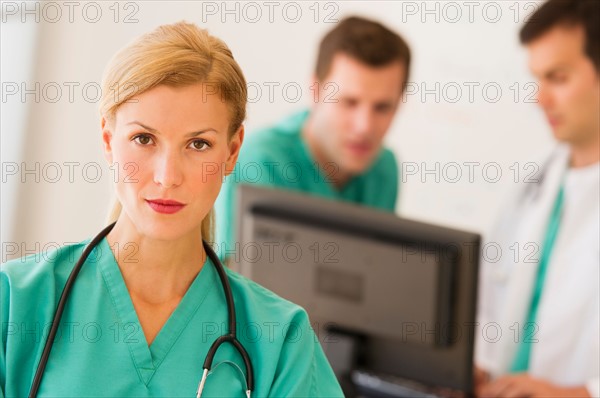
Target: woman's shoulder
42, 266
259, 299
278, 328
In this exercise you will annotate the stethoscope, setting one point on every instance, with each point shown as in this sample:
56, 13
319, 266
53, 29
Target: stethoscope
229, 337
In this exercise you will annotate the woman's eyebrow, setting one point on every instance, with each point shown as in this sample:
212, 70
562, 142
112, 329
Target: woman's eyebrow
188, 135
197, 133
150, 129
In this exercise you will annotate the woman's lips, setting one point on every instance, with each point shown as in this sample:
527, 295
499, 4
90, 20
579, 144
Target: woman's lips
165, 206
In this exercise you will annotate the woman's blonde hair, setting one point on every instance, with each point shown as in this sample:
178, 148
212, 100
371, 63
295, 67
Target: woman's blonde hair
175, 55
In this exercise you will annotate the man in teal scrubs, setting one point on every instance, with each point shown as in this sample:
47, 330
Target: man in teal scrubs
100, 349
335, 150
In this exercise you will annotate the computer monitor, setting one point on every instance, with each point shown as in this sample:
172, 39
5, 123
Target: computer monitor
386, 294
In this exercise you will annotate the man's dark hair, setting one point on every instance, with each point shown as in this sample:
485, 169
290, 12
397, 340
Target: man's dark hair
366, 41
584, 13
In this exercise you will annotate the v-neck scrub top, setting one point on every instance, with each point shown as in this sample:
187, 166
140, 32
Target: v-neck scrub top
100, 348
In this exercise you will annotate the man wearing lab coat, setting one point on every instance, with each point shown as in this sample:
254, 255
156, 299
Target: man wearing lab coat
539, 325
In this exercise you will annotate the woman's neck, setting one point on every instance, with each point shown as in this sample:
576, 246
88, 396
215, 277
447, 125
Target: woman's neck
156, 271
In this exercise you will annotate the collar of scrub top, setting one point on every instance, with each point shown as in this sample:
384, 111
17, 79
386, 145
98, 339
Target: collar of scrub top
230, 337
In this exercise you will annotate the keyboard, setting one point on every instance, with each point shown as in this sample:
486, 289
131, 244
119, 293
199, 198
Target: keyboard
385, 386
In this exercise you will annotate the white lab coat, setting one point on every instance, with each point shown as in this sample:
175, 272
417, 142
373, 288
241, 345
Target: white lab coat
567, 352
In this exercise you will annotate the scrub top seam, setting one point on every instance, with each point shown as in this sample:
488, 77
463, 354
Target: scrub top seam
107, 277
158, 353
313, 378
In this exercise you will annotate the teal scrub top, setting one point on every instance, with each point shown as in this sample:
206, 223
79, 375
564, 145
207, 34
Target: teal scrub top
279, 157
100, 348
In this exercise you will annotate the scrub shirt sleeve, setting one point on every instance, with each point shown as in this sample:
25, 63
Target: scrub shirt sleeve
303, 369
254, 167
4, 306
381, 183
393, 182
224, 219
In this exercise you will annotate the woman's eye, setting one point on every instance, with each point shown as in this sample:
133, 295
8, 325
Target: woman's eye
199, 145
142, 139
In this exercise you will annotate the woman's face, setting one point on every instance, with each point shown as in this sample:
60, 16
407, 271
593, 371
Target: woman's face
169, 150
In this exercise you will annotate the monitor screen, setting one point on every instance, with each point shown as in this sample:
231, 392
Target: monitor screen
383, 293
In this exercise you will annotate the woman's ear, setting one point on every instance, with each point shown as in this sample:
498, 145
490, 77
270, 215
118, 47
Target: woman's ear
107, 140
235, 144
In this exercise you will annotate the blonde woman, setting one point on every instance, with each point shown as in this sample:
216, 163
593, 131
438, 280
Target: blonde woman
140, 314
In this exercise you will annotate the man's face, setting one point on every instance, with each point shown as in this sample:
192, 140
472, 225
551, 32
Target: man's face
569, 90
355, 108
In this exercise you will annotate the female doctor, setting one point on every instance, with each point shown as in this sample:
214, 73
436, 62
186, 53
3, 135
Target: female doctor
149, 301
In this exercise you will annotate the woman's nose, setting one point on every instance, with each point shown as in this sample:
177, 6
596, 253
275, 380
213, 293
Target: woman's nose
167, 169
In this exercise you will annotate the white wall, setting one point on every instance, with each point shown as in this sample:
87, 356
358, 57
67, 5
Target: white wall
14, 115
452, 50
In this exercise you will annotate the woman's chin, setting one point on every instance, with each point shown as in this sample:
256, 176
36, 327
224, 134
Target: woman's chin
148, 224
174, 233
165, 231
